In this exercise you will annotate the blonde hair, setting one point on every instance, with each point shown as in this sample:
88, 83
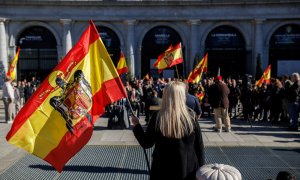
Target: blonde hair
174, 119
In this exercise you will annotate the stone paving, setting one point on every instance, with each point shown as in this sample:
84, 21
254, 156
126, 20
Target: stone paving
242, 135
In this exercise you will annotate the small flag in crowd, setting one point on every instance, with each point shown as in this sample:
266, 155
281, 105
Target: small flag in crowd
200, 96
122, 66
265, 78
196, 74
171, 57
147, 77
12, 71
57, 121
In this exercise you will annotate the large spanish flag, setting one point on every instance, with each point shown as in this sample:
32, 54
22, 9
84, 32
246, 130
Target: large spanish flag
196, 74
12, 71
122, 66
265, 78
57, 121
171, 57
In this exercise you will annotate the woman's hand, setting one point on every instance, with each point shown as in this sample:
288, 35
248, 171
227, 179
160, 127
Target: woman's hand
135, 120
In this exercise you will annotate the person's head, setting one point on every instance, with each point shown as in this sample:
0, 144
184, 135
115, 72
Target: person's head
14, 84
155, 94
278, 84
295, 77
174, 119
218, 78
285, 175
8, 79
233, 81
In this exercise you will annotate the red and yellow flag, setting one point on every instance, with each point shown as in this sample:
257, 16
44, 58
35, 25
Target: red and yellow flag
12, 71
171, 57
200, 96
57, 121
196, 74
122, 66
265, 78
147, 77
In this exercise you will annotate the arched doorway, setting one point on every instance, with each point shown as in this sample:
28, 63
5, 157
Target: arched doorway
155, 42
38, 55
285, 50
226, 51
111, 42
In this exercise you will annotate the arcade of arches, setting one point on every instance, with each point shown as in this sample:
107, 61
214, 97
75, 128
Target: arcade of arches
224, 44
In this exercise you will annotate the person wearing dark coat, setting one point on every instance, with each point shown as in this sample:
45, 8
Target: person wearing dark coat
294, 101
218, 97
154, 104
174, 131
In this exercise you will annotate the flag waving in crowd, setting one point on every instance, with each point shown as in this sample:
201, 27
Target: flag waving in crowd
171, 57
12, 68
196, 74
57, 121
265, 78
122, 66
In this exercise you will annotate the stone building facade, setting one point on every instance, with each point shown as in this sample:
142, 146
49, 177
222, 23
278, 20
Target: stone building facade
240, 36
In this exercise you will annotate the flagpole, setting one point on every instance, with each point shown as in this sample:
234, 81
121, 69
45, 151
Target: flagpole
177, 71
145, 153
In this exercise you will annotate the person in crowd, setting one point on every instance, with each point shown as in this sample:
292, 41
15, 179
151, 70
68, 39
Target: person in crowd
34, 82
218, 97
294, 100
8, 99
28, 91
139, 90
135, 100
148, 90
233, 97
21, 87
285, 103
264, 103
192, 101
154, 104
174, 131
276, 101
17, 97
206, 107
246, 94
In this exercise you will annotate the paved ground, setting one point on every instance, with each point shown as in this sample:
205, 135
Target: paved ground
261, 135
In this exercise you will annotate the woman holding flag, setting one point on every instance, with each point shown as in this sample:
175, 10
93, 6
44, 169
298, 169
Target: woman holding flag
174, 131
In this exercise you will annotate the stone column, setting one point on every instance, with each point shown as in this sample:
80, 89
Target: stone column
3, 52
67, 38
131, 46
258, 44
194, 43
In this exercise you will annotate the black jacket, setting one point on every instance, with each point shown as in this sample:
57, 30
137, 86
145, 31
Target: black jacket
174, 159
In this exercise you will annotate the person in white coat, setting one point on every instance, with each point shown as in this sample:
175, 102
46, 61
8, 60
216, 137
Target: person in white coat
8, 99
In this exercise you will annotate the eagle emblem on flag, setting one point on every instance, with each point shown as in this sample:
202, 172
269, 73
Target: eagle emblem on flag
169, 58
75, 100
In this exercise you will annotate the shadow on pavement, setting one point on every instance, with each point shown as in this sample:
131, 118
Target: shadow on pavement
92, 169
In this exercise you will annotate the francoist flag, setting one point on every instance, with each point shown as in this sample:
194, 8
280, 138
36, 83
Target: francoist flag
12, 71
265, 78
57, 121
196, 74
122, 67
171, 57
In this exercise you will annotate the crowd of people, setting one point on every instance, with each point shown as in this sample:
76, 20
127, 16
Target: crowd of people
277, 102
15, 94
